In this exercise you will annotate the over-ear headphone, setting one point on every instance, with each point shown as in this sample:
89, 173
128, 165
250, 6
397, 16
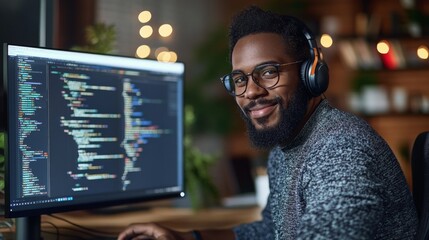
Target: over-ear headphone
314, 71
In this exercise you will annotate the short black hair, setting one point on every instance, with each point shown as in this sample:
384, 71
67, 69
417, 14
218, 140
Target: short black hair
255, 20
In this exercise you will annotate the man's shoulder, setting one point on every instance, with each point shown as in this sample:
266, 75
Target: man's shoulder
339, 133
342, 125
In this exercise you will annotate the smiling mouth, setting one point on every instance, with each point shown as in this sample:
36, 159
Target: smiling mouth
261, 111
261, 108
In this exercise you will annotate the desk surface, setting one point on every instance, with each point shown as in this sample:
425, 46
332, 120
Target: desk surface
181, 219
113, 222
177, 218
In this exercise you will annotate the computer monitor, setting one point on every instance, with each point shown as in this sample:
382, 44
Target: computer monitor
90, 130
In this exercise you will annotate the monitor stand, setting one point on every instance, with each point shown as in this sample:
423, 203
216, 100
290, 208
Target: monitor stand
28, 228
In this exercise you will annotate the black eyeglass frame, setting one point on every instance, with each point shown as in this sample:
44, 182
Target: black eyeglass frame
223, 79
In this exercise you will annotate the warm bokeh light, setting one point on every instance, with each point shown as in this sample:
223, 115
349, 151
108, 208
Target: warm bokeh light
173, 56
383, 47
167, 56
146, 31
145, 16
165, 30
163, 56
143, 51
423, 52
326, 40
159, 50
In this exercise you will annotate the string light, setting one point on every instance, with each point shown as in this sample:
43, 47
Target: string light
167, 56
326, 40
383, 47
146, 31
173, 56
159, 50
423, 52
145, 16
143, 51
165, 30
163, 56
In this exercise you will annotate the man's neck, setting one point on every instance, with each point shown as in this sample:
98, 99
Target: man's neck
312, 104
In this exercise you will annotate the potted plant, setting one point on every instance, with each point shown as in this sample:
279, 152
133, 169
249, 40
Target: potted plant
100, 38
198, 183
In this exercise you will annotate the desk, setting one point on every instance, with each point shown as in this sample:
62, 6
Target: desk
181, 219
177, 218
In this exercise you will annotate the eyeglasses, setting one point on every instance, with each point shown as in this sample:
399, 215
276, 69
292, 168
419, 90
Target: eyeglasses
264, 75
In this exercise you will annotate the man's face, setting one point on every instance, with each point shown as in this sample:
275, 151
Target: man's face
272, 115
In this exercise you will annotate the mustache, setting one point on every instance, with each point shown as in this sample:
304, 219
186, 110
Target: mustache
261, 101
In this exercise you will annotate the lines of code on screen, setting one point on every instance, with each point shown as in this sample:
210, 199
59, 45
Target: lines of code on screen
88, 129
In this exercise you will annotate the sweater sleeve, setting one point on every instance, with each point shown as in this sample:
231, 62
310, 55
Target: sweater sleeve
256, 230
343, 195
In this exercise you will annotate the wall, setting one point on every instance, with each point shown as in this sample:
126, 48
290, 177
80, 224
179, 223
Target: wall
191, 20
26, 23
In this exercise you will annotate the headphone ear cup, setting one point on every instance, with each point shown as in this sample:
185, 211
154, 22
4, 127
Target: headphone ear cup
305, 68
318, 82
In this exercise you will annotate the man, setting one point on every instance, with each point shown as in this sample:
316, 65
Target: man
331, 175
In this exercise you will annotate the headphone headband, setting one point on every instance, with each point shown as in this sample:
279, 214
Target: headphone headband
314, 71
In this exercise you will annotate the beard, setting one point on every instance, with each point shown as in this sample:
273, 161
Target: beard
285, 129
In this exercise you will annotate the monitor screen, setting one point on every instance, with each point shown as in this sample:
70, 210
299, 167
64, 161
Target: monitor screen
90, 130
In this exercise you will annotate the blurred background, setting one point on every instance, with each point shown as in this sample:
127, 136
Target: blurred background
377, 52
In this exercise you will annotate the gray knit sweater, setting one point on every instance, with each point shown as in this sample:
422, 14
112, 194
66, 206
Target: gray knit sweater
338, 179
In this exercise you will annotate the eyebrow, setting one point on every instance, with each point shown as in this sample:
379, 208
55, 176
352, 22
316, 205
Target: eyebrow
259, 64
